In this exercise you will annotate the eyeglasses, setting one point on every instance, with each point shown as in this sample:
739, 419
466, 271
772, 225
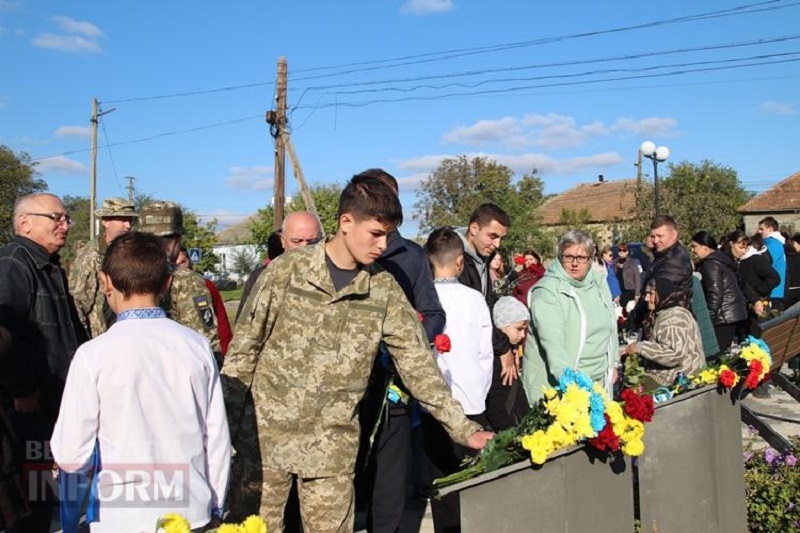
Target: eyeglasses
58, 218
582, 259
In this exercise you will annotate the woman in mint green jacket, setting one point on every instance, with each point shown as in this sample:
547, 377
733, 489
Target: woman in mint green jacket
573, 321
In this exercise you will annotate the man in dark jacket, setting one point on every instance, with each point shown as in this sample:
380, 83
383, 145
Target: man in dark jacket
488, 225
46, 331
671, 261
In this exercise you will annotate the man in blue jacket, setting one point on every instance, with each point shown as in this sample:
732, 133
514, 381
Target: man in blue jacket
768, 228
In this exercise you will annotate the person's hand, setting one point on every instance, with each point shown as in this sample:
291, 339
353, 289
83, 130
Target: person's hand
479, 439
758, 308
632, 347
29, 404
508, 368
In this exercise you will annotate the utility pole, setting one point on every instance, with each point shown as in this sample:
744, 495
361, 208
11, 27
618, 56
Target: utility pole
638, 166
298, 174
93, 186
277, 129
130, 188
96, 114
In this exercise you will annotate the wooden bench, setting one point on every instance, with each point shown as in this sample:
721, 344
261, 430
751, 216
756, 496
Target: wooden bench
782, 335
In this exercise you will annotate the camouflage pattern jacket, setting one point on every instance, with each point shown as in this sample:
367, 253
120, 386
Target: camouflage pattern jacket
304, 351
84, 285
188, 302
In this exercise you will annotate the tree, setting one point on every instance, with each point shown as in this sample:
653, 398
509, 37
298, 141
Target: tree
18, 177
459, 185
702, 196
326, 200
243, 262
202, 236
78, 209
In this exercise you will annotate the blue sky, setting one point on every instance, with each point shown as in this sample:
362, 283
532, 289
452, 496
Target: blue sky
571, 88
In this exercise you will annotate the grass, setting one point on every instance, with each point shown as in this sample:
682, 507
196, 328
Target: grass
231, 295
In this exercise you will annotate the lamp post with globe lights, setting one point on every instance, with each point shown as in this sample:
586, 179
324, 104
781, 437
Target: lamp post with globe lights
657, 155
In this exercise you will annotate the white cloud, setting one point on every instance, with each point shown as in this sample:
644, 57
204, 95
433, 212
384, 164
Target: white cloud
225, 218
411, 183
4, 101
77, 27
521, 163
75, 132
651, 126
32, 141
550, 130
65, 43
772, 107
62, 165
425, 7
78, 36
255, 178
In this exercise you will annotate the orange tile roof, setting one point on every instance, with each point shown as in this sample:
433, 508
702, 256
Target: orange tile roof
783, 196
605, 201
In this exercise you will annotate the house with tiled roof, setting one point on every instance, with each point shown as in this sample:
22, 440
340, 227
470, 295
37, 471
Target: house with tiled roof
781, 201
604, 205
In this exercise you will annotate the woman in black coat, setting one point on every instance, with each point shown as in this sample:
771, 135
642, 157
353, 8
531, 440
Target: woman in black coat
756, 276
726, 303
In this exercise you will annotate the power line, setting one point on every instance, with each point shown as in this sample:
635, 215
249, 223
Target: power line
524, 87
110, 156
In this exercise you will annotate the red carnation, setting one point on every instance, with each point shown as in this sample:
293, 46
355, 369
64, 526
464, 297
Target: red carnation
606, 439
420, 316
638, 407
727, 377
442, 343
519, 260
752, 378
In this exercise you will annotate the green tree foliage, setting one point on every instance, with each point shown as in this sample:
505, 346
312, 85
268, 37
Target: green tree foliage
243, 262
326, 200
78, 209
702, 196
459, 185
203, 236
18, 177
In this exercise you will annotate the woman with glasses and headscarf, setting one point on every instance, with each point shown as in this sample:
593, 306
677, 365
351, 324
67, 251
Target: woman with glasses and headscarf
573, 322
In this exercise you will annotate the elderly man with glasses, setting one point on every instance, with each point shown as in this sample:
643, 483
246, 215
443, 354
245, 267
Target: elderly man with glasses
573, 322
38, 311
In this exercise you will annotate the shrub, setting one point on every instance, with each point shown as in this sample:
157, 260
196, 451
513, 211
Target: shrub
772, 483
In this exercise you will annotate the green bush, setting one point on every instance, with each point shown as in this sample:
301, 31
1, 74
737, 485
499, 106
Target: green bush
772, 482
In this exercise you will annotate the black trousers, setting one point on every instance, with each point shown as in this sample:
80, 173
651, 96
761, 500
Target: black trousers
392, 457
445, 458
725, 334
506, 405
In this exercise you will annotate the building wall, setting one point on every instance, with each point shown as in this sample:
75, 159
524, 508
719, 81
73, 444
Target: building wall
789, 222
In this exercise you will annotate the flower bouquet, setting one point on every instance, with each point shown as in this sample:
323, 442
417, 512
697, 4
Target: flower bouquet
577, 411
175, 523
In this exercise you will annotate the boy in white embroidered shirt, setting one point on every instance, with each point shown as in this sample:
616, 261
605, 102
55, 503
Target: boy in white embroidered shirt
466, 367
147, 395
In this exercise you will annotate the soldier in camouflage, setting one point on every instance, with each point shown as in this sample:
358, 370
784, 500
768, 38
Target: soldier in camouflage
117, 216
187, 300
303, 348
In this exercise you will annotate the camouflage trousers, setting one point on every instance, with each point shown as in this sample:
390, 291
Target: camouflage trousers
327, 504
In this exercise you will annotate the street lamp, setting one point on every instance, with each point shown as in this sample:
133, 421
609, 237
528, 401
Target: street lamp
657, 155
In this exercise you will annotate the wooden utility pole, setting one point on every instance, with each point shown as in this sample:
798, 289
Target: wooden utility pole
638, 166
277, 129
298, 174
130, 188
93, 186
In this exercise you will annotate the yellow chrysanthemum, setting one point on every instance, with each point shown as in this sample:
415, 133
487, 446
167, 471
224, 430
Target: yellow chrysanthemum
549, 392
615, 414
633, 430
540, 446
633, 448
173, 523
254, 524
559, 437
583, 427
566, 414
708, 376
577, 396
230, 528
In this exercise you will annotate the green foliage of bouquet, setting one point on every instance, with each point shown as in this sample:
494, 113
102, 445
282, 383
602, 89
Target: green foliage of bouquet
772, 482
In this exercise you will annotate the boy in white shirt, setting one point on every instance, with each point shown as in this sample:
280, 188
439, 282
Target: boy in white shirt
466, 367
147, 394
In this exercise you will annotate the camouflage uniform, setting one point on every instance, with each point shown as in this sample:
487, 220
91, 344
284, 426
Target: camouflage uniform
304, 351
84, 284
187, 300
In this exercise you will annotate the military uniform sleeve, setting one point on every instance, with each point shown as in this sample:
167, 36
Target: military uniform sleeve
407, 343
83, 286
249, 336
191, 305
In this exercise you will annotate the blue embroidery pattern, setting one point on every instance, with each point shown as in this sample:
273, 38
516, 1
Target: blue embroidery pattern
145, 312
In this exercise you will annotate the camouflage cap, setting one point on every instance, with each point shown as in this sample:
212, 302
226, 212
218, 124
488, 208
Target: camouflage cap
117, 207
161, 218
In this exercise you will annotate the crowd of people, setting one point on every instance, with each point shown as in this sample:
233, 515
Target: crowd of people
345, 348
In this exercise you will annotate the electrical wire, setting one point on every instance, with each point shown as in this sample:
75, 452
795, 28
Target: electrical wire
110, 155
